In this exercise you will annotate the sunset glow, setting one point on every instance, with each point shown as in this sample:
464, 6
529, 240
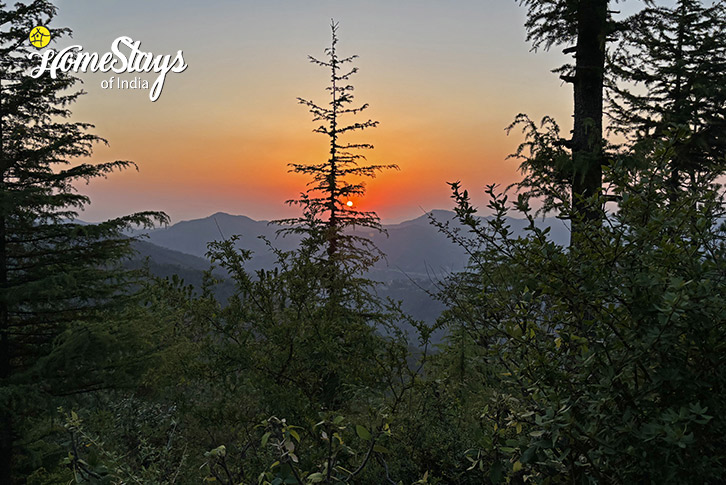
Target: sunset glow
443, 81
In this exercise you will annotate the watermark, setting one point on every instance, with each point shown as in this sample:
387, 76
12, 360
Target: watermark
125, 56
39, 36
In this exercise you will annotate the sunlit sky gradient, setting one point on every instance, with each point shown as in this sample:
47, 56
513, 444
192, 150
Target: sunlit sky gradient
443, 78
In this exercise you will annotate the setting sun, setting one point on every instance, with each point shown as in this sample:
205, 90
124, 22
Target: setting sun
349, 203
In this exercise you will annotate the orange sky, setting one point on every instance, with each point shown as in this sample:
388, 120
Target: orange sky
443, 80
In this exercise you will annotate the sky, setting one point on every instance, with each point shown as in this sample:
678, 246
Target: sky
444, 79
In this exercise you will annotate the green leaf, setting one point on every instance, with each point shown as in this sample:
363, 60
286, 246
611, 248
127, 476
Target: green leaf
265, 437
362, 432
528, 454
496, 473
380, 449
316, 477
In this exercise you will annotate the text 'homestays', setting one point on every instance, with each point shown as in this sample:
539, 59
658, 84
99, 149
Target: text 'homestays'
124, 57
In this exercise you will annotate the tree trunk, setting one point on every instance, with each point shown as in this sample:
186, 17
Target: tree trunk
6, 428
587, 149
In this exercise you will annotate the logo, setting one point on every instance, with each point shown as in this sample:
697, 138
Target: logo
125, 56
39, 36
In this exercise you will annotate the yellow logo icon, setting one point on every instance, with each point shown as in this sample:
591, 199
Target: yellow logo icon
39, 36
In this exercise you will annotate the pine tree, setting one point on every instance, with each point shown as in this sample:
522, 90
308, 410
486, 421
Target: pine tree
57, 276
678, 55
327, 219
587, 25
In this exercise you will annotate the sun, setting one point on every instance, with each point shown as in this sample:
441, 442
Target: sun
349, 203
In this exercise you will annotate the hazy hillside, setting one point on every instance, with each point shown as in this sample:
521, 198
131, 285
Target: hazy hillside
416, 296
418, 255
413, 249
168, 257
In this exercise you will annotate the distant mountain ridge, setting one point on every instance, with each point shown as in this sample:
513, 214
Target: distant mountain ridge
414, 248
418, 255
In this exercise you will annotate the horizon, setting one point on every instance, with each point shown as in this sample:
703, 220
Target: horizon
224, 213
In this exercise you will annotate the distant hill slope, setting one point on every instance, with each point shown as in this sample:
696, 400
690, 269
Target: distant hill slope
415, 297
413, 248
418, 255
168, 257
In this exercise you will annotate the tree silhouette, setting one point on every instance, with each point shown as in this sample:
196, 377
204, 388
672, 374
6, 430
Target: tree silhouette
56, 275
587, 25
326, 218
677, 55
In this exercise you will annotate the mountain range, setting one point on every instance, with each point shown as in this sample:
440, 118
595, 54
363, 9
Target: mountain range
414, 249
418, 255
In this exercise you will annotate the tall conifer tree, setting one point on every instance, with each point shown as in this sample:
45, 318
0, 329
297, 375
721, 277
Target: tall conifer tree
673, 64
584, 26
56, 275
327, 217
